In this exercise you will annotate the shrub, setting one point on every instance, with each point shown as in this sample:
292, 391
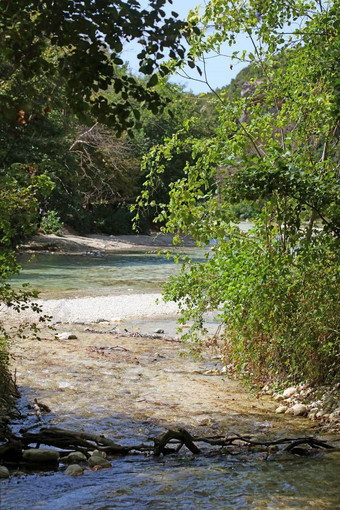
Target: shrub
51, 223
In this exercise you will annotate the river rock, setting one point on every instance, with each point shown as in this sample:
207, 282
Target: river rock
41, 456
281, 409
298, 410
289, 392
4, 473
74, 457
74, 470
312, 414
319, 414
98, 460
66, 336
335, 415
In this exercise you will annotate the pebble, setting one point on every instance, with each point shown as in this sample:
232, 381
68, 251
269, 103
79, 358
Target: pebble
319, 414
66, 336
289, 392
281, 409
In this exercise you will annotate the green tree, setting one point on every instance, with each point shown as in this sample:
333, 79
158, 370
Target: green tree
77, 46
59, 58
277, 287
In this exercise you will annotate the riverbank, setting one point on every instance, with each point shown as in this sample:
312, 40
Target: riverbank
96, 244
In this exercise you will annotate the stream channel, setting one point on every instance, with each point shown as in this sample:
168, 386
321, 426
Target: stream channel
112, 380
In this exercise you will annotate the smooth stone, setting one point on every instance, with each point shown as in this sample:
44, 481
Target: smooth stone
98, 460
66, 336
299, 410
74, 470
289, 392
40, 455
159, 331
74, 457
278, 398
281, 409
334, 417
319, 414
4, 473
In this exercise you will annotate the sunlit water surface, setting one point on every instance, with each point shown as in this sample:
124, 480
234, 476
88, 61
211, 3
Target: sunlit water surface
185, 484
57, 276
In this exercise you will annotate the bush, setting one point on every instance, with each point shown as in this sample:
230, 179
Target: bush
51, 223
279, 312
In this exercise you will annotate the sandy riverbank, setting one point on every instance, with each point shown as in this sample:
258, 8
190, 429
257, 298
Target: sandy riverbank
76, 244
106, 308
112, 308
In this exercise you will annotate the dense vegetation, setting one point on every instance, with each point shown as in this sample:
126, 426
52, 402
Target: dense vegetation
277, 145
76, 125
74, 120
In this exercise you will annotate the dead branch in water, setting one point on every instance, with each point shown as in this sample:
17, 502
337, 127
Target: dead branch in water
168, 443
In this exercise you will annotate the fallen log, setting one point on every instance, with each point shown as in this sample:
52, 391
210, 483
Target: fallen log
168, 443
69, 439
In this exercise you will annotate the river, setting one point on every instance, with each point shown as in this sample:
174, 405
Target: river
110, 380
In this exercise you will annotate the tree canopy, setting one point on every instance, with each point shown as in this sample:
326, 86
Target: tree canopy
77, 46
62, 79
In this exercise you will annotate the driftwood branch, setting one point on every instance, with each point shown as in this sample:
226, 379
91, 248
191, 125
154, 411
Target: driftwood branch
68, 439
168, 443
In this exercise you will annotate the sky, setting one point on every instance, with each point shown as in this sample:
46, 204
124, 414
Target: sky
218, 69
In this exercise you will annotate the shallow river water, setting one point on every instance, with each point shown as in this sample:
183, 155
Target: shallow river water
128, 386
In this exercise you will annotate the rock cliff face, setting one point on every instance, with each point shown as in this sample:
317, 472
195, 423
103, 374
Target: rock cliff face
249, 88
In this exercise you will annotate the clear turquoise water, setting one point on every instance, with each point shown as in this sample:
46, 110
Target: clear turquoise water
69, 275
